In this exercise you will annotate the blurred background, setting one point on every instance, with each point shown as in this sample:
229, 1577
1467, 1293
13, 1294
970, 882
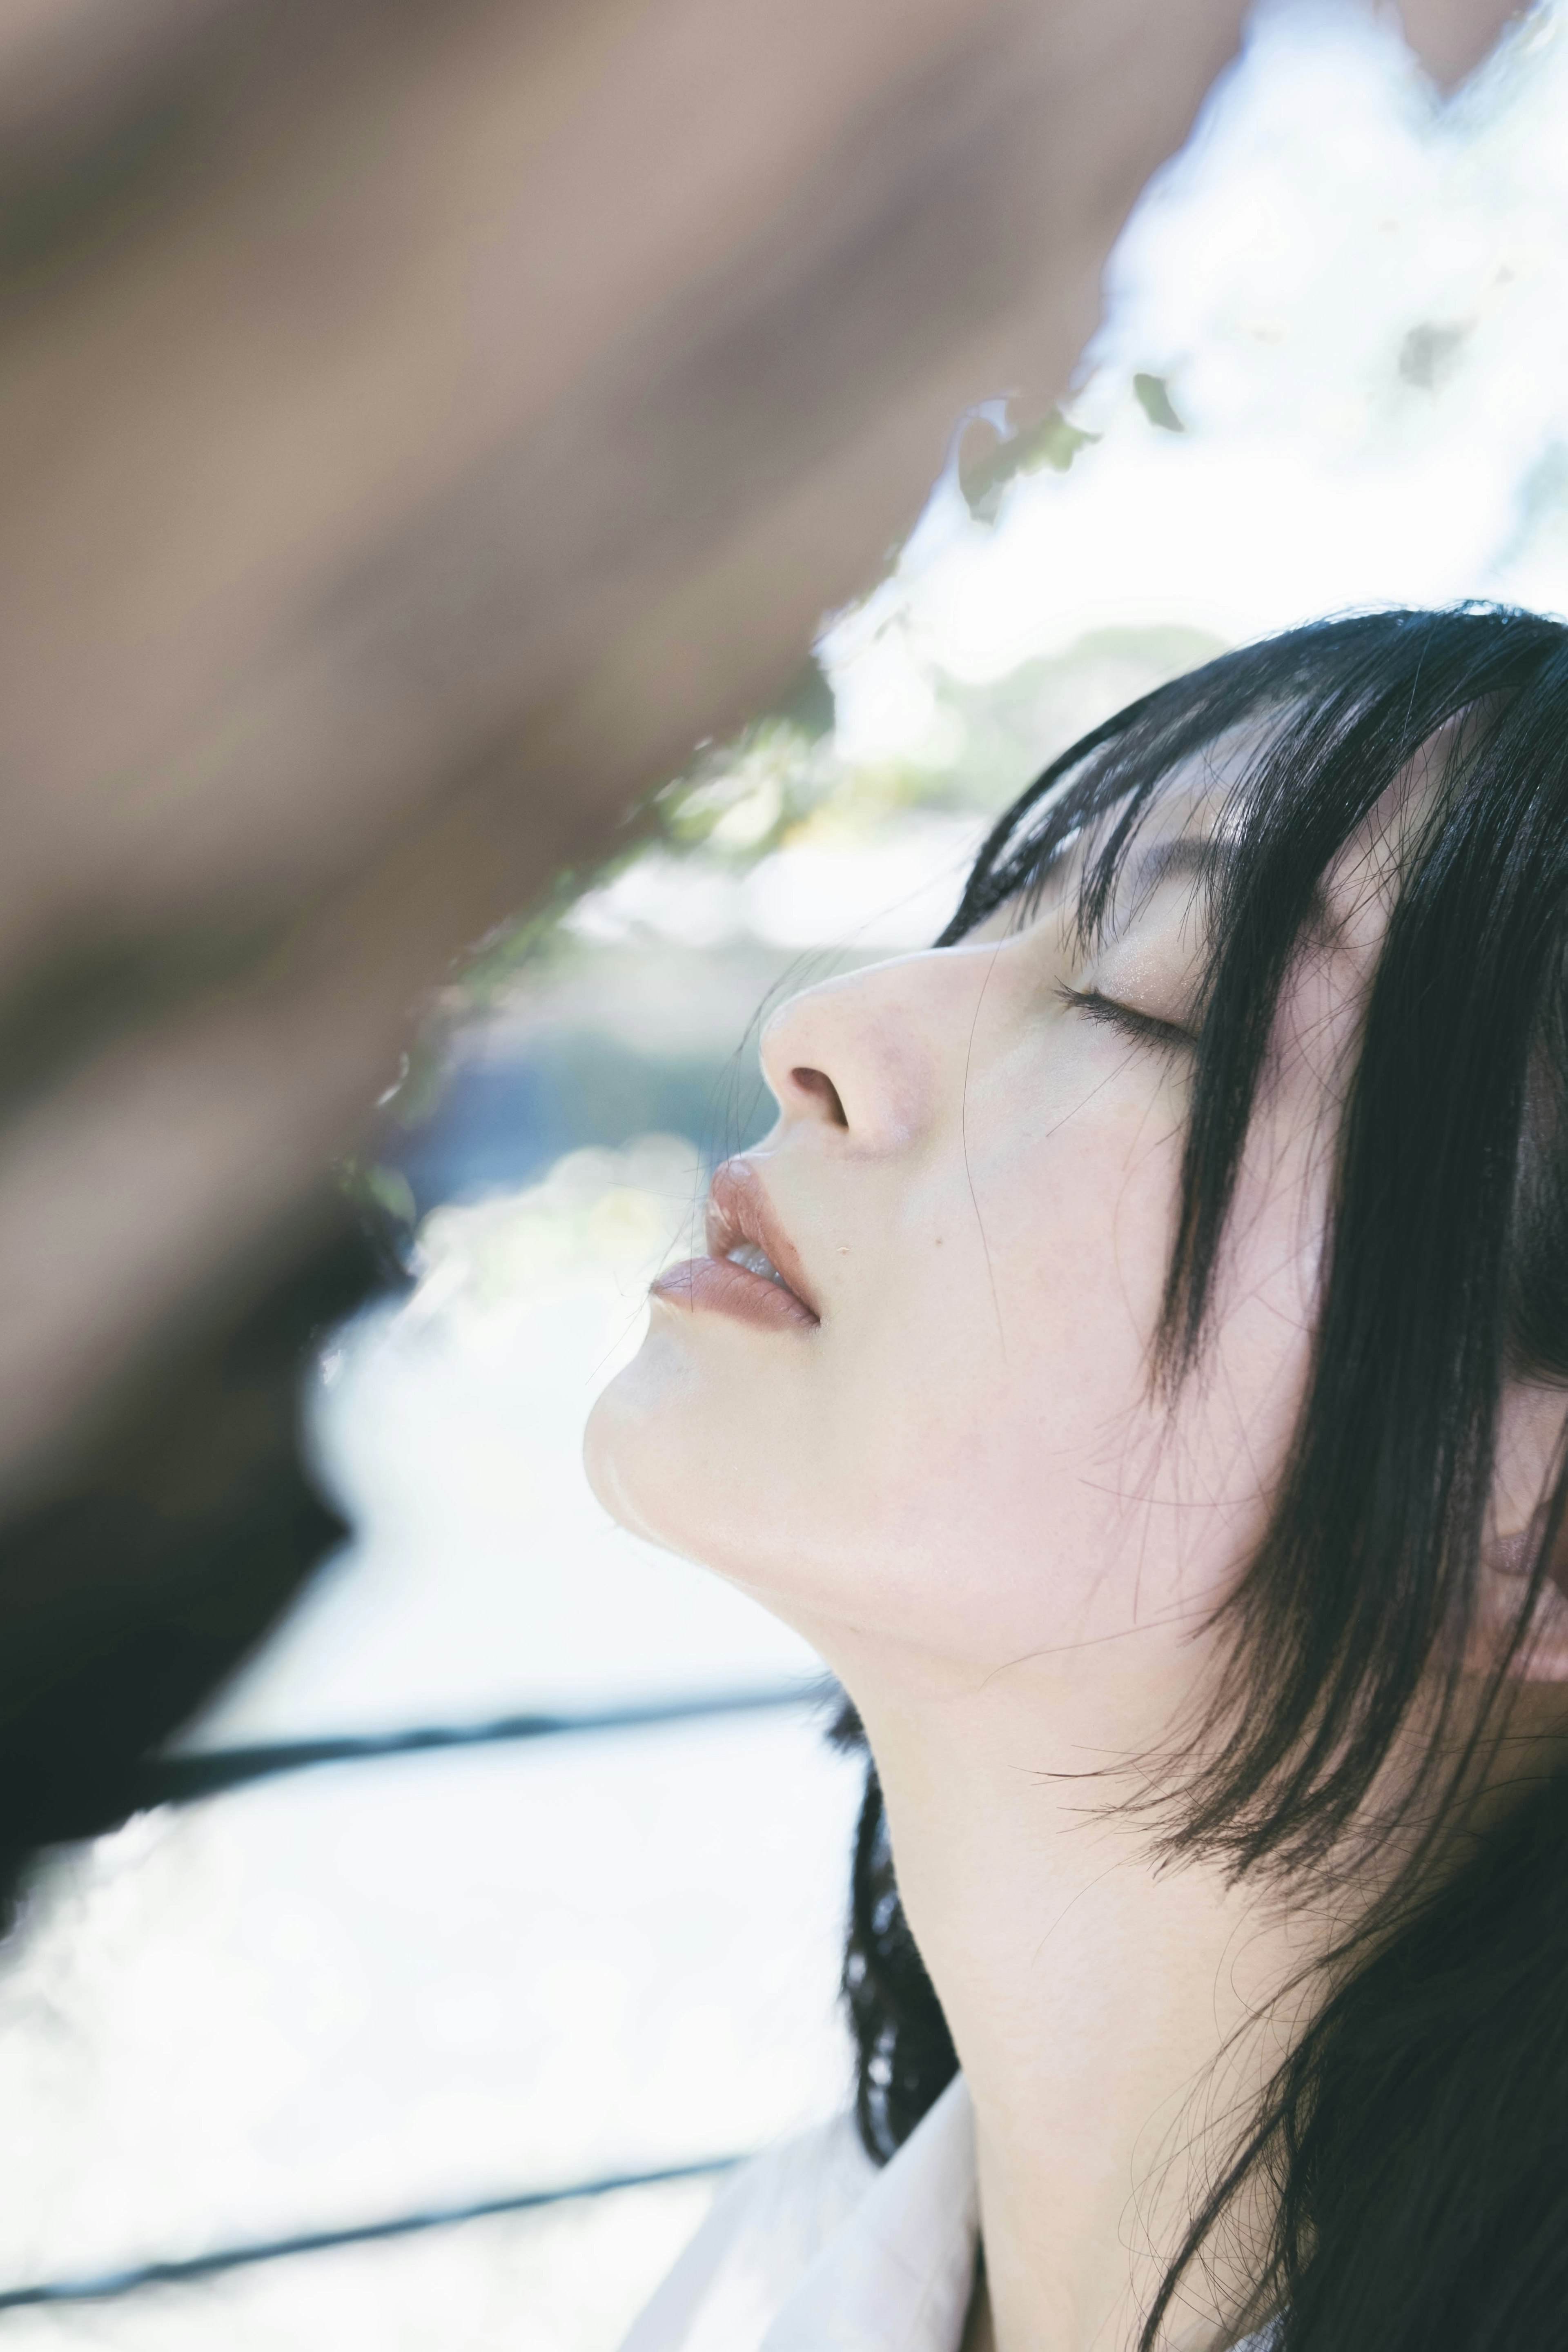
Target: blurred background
1332, 371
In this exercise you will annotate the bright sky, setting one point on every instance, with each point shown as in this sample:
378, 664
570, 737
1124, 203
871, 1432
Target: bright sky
1359, 300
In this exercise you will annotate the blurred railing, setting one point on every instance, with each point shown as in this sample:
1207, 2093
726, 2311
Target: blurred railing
184, 1779
315, 2241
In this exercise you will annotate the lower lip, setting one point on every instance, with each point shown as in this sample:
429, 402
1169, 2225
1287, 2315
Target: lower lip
717, 1285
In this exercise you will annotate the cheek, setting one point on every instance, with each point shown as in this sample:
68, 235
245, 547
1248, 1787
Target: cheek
1003, 1399
942, 1462
967, 1458
1012, 1484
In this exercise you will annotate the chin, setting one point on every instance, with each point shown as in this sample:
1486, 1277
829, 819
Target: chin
682, 1453
615, 1443
644, 1453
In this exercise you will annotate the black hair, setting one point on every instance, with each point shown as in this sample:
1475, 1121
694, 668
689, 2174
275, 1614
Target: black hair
1414, 2143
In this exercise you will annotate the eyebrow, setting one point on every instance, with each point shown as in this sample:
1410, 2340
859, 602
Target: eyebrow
1204, 855
1209, 857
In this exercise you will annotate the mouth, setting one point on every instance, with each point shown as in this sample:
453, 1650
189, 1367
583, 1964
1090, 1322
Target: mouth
751, 1271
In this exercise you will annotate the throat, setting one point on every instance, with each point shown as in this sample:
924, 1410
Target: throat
1117, 2022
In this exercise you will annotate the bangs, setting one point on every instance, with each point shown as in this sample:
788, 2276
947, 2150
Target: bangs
1294, 743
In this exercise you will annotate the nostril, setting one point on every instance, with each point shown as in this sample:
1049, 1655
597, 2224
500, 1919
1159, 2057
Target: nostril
818, 1084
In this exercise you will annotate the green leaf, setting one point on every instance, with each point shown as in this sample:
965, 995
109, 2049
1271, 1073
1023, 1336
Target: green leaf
1154, 399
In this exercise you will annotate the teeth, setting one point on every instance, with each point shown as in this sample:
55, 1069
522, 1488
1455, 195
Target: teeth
748, 1255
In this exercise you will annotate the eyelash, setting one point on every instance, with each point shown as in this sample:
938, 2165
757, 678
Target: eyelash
1142, 1026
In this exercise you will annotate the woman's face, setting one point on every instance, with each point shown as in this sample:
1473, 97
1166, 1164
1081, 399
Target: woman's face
941, 1447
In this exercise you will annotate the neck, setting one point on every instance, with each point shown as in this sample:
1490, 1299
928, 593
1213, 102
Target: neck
1115, 2021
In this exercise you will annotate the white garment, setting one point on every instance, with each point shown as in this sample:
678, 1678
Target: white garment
812, 2249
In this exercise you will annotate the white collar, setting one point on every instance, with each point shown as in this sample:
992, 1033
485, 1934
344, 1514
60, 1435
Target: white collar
897, 2275
812, 2249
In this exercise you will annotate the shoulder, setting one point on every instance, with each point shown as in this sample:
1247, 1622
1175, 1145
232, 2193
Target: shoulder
767, 2227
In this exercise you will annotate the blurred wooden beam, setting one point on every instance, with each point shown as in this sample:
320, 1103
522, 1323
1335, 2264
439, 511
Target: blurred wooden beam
1452, 36
423, 425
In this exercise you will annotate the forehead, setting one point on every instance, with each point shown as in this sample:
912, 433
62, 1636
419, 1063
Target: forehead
1180, 835
1199, 836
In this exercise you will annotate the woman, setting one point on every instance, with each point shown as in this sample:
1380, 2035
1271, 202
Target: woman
1138, 1361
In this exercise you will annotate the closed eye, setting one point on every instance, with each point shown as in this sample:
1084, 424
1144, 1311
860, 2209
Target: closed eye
1145, 1028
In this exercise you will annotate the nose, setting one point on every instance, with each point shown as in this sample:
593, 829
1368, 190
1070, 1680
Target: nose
865, 1055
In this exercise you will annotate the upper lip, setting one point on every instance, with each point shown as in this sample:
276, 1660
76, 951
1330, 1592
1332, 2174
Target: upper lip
739, 1211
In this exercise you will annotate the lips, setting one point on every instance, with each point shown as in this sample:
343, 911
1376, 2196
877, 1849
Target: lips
752, 1270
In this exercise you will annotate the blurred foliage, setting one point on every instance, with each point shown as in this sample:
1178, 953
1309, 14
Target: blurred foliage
1152, 395
1013, 728
775, 787
738, 800
988, 460
1430, 353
